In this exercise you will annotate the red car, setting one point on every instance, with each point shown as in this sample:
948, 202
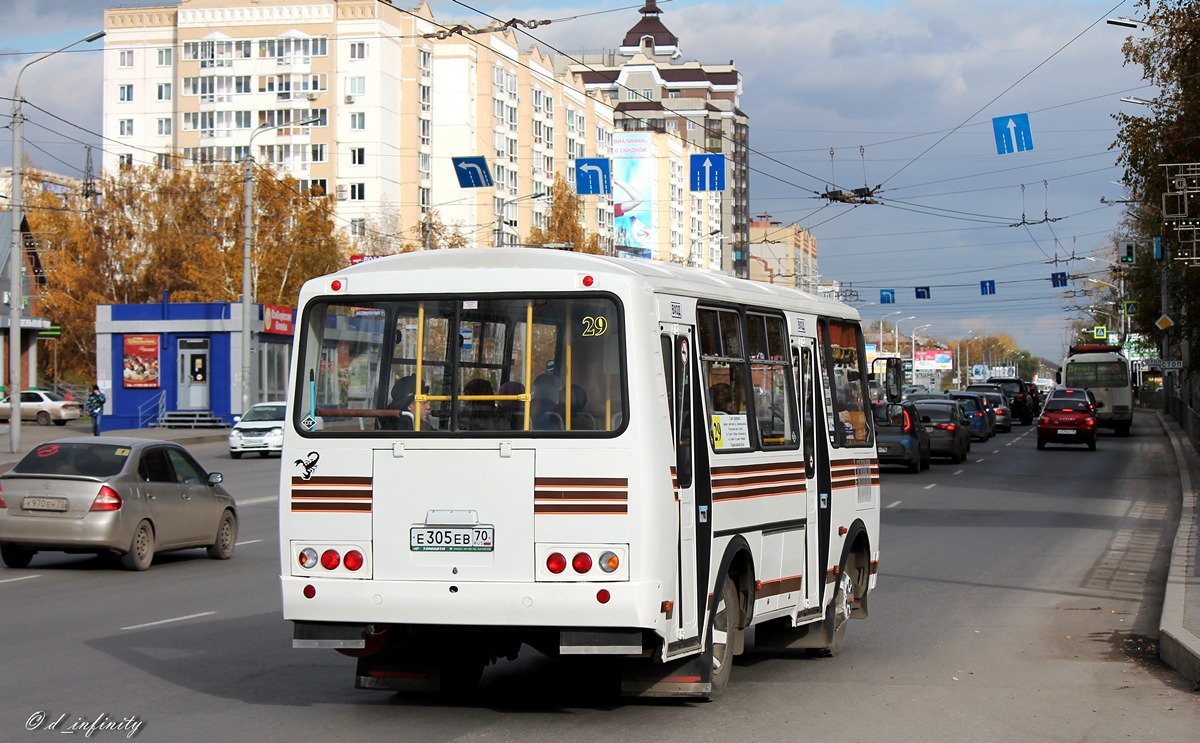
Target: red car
1068, 417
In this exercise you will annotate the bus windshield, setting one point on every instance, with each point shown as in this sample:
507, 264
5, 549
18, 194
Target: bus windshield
442, 365
1096, 374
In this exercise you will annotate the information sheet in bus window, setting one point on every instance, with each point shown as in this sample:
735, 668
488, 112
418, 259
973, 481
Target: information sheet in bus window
730, 431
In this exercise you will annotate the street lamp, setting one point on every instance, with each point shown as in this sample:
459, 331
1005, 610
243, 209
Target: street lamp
17, 250
880, 349
914, 345
896, 328
964, 379
247, 240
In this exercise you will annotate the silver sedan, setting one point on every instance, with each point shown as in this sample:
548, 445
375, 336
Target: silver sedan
125, 496
43, 407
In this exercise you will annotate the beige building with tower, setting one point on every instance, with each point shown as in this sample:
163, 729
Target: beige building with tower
783, 253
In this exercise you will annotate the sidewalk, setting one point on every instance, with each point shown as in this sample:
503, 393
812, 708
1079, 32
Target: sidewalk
1179, 625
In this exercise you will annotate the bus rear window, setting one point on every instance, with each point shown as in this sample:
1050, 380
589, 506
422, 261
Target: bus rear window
482, 365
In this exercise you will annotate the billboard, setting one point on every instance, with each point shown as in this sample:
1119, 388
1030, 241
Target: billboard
634, 191
141, 361
936, 359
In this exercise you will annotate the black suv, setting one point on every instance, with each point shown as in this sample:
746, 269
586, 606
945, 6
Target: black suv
1019, 397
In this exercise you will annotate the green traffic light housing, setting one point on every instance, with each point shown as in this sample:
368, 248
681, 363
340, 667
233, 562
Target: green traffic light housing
1127, 254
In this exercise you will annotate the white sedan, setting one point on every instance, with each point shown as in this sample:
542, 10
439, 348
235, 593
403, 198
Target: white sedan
260, 430
43, 407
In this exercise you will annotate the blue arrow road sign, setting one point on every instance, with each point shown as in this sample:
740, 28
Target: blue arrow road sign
708, 172
472, 172
923, 292
1012, 134
593, 175
887, 296
987, 287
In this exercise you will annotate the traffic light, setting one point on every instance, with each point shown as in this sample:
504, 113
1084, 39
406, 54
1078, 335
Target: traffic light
1127, 256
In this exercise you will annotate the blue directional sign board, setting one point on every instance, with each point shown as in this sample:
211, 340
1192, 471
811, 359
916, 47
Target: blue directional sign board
887, 296
1058, 278
708, 172
593, 176
987, 287
1012, 134
472, 172
923, 292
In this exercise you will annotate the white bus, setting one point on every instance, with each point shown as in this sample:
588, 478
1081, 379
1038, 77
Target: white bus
1104, 370
490, 448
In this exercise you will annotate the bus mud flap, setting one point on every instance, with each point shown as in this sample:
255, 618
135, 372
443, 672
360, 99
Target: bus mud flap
690, 677
392, 671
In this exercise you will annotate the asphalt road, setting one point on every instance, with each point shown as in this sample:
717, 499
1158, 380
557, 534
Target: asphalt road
1016, 593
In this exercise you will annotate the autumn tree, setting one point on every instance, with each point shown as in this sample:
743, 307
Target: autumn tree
156, 230
564, 224
1166, 132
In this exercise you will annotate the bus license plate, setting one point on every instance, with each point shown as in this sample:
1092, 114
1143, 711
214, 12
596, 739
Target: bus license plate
31, 503
452, 538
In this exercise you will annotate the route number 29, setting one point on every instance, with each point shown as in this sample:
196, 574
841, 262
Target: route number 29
594, 326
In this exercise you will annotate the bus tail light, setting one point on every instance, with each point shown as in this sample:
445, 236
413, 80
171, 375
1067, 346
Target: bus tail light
307, 557
330, 559
556, 563
582, 562
353, 560
609, 562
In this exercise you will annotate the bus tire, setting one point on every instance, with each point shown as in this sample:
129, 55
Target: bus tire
722, 641
837, 616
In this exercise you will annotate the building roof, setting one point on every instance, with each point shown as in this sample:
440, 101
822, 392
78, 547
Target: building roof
651, 26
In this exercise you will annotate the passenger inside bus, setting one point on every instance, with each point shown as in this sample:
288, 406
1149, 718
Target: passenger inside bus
722, 398
480, 415
512, 411
404, 398
547, 396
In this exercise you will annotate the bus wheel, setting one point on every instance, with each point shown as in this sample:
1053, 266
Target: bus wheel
837, 615
722, 637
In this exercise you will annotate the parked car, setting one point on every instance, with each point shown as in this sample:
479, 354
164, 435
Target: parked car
900, 437
43, 407
948, 428
124, 496
974, 404
1068, 417
1003, 412
260, 430
1019, 398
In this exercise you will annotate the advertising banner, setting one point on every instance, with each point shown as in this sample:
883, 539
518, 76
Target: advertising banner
936, 359
634, 190
141, 361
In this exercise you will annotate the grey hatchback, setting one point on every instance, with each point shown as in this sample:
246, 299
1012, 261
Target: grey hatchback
949, 430
131, 497
900, 437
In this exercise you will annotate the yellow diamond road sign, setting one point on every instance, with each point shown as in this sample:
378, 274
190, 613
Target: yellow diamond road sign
1164, 322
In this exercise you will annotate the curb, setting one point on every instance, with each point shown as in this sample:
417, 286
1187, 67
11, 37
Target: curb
1177, 646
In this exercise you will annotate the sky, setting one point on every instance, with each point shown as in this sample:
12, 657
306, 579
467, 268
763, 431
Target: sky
903, 92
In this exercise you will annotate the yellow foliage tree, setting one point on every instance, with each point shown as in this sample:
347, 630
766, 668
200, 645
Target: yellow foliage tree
180, 231
564, 223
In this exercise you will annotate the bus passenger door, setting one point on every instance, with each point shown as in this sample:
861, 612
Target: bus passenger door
678, 360
806, 382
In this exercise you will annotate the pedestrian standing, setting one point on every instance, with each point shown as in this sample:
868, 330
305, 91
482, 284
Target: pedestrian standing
95, 408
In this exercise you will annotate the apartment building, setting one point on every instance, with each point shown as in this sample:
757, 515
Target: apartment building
652, 89
362, 99
782, 253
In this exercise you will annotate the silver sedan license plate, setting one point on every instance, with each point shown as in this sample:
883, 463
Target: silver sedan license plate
35, 503
452, 538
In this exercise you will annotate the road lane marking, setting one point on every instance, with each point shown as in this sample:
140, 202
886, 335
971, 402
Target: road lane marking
931, 486
959, 472
895, 504
977, 461
168, 621
23, 577
257, 501
248, 541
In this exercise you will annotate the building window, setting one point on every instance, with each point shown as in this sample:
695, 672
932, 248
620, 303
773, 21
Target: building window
691, 125
425, 126
425, 59
125, 160
358, 227
358, 155
243, 119
356, 86
125, 93
424, 198
358, 191
126, 127
674, 94
241, 84
164, 91
358, 121
318, 153
126, 58
672, 125
358, 50
243, 49
166, 57
318, 187
164, 127
424, 164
